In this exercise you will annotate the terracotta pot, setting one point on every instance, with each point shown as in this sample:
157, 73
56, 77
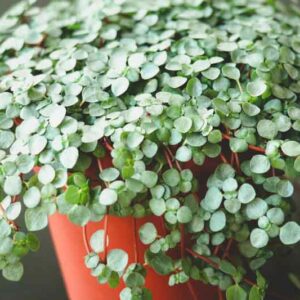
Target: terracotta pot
81, 285
123, 234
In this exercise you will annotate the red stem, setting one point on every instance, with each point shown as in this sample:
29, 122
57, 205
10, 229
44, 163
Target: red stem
85, 240
205, 259
227, 249
237, 160
105, 237
251, 147
220, 294
135, 249
213, 264
223, 158
107, 145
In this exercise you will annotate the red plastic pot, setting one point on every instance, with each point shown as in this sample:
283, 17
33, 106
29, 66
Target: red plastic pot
122, 234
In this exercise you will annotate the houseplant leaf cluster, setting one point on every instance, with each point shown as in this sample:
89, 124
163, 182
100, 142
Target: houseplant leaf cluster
160, 88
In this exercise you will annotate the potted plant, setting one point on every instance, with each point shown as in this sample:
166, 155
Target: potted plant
166, 131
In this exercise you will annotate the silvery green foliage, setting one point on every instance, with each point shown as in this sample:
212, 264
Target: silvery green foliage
144, 78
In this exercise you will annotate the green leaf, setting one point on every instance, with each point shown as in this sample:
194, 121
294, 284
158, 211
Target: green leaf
134, 139
177, 81
117, 260
201, 65
6, 245
267, 129
183, 154
184, 215
149, 148
149, 178
227, 47
230, 71
79, 215
108, 197
109, 174
113, 280
256, 88
157, 206
217, 221
259, 238
246, 193
72, 194
120, 86
160, 262
255, 294
33, 242
290, 233
171, 177
227, 267
238, 145
183, 124
36, 219
250, 109
235, 292
297, 164
97, 241
135, 279
37, 144
194, 87
291, 148
149, 70
5, 100
148, 233
285, 188
260, 164
13, 272
213, 199
46, 174
69, 157
12, 185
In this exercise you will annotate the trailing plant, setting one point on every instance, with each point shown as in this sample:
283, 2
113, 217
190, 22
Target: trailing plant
153, 85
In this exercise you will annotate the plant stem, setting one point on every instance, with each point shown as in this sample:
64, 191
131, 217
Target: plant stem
251, 147
85, 240
11, 223
136, 254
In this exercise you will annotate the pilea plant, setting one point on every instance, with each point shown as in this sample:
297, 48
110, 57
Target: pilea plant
152, 85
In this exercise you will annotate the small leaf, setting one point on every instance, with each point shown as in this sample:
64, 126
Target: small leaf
148, 233
246, 193
108, 197
13, 185
256, 88
69, 157
36, 219
235, 292
194, 87
290, 233
230, 71
291, 148
117, 260
259, 238
97, 241
149, 70
13, 272
259, 164
120, 86
184, 215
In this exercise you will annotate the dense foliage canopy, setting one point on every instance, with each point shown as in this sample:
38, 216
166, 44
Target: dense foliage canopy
153, 84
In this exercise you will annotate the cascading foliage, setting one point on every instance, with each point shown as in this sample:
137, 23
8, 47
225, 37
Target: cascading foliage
153, 85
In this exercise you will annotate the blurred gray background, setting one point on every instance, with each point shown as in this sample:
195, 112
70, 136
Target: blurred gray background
42, 279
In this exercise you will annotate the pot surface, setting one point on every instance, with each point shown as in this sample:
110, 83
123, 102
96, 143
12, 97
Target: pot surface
122, 234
